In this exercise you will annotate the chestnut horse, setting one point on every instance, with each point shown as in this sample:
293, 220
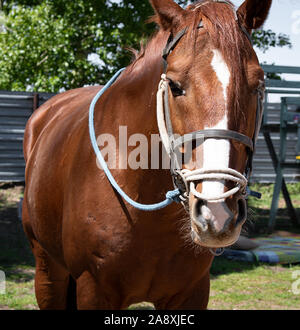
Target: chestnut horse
92, 249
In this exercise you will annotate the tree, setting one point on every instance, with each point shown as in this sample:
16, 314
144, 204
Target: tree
45, 45
264, 39
38, 52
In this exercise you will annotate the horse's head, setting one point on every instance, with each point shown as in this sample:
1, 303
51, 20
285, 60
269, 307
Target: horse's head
213, 80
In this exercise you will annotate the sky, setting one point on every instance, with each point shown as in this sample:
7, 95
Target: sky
284, 18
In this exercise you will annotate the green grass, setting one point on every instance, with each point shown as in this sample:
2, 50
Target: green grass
19, 289
239, 285
234, 285
267, 194
16, 259
258, 210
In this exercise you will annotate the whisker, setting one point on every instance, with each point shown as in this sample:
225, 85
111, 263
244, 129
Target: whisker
184, 224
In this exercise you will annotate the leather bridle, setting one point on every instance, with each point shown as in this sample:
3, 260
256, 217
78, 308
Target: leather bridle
185, 180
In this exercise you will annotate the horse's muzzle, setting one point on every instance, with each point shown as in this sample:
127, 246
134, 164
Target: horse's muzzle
216, 223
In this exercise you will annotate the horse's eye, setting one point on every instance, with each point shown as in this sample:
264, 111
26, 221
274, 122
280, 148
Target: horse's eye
176, 89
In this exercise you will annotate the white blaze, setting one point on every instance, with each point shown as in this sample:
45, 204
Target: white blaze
216, 152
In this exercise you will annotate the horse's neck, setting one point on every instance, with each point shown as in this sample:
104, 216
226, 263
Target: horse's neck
140, 84
132, 103
145, 74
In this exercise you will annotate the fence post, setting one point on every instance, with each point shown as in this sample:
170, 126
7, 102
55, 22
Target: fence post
35, 102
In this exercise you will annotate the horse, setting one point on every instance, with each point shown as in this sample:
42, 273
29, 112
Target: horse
92, 249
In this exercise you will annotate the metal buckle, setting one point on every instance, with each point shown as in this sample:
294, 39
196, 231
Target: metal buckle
180, 183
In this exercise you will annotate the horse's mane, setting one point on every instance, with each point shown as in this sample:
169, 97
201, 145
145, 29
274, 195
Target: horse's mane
225, 35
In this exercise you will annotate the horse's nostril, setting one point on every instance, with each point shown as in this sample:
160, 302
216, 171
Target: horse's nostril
201, 210
197, 214
214, 215
196, 210
206, 213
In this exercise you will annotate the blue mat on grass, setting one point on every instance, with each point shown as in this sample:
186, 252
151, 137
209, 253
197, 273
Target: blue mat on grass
282, 250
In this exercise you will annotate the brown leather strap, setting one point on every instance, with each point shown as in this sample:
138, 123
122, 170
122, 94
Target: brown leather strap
171, 44
213, 134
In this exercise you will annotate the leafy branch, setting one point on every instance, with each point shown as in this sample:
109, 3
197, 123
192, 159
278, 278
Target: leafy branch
45, 45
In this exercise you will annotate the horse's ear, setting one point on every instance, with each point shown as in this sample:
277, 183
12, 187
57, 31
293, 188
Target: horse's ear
168, 13
253, 13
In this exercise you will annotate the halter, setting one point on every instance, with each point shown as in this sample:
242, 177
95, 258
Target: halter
183, 179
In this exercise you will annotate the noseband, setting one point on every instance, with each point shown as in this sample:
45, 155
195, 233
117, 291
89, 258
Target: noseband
183, 179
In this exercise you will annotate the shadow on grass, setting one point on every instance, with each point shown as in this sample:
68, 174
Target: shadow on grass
259, 210
223, 266
16, 258
256, 226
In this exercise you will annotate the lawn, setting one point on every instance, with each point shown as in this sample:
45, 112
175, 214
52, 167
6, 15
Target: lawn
16, 259
237, 285
234, 285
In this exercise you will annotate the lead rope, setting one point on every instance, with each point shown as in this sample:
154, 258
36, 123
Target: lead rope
171, 196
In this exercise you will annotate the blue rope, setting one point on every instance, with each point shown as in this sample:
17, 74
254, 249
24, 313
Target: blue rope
171, 196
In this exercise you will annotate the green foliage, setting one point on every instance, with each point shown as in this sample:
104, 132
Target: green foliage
45, 44
39, 50
264, 39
